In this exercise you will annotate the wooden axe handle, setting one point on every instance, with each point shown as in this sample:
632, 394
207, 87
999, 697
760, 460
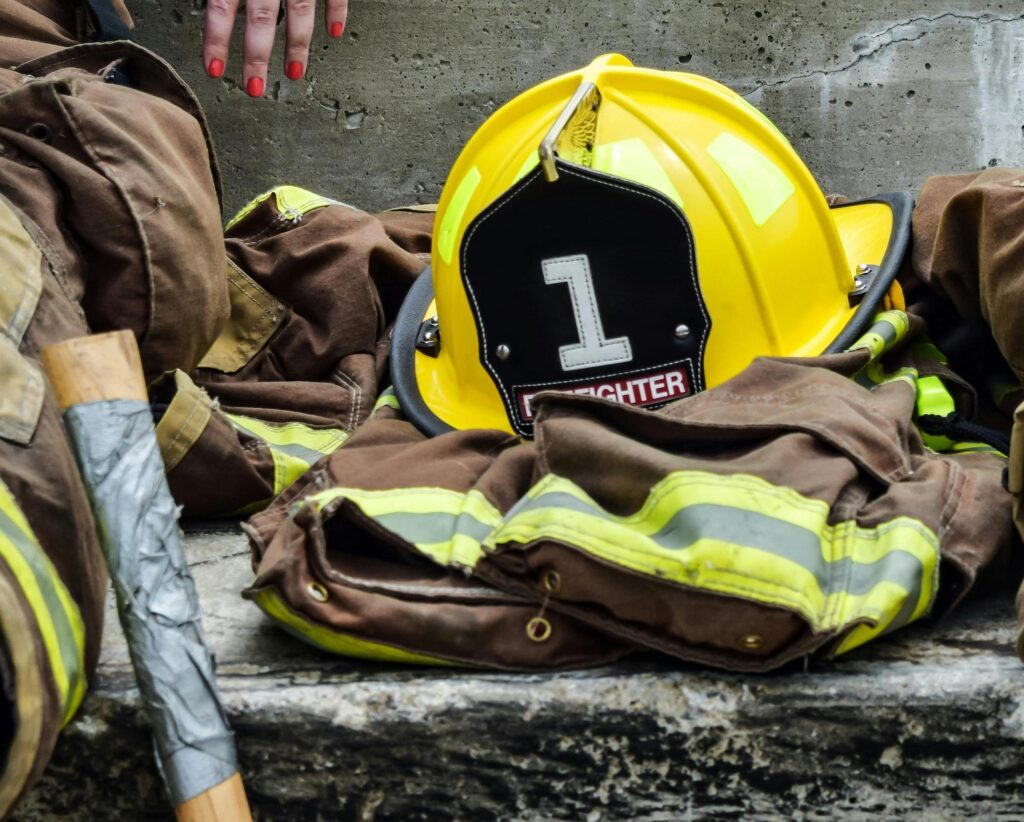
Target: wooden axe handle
101, 367
225, 802
108, 367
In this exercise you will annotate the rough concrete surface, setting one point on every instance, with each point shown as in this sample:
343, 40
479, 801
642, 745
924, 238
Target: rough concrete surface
875, 95
929, 722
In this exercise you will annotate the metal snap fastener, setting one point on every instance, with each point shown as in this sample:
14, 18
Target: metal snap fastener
538, 629
502, 352
752, 642
39, 131
682, 331
318, 592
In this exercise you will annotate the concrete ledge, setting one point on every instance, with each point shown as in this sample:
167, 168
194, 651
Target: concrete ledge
930, 721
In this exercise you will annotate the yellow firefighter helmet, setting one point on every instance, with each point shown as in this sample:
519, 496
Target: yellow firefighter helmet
636, 235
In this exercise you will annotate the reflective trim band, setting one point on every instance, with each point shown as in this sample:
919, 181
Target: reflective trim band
56, 614
761, 184
387, 398
633, 160
293, 446
887, 329
313, 633
934, 399
448, 233
292, 203
742, 536
447, 526
736, 535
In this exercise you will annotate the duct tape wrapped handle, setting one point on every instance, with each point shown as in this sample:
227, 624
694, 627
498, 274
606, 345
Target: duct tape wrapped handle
99, 384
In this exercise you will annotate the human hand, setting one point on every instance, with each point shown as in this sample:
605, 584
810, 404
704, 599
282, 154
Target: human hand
260, 28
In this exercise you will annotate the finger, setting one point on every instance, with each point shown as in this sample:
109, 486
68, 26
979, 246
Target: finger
220, 20
260, 28
336, 13
301, 20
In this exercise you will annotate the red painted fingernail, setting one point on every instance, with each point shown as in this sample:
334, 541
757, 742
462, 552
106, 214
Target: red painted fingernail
294, 70
336, 29
216, 68
254, 88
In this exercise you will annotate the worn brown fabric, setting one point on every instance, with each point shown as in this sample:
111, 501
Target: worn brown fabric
33, 28
969, 249
340, 275
969, 252
39, 471
128, 174
375, 590
802, 425
109, 218
313, 298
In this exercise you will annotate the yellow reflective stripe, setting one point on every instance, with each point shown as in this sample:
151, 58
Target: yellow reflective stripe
736, 535
887, 329
763, 186
56, 614
445, 525
633, 160
389, 399
272, 604
292, 203
833, 575
448, 234
293, 446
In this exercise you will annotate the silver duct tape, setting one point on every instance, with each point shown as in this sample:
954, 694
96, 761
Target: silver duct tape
156, 597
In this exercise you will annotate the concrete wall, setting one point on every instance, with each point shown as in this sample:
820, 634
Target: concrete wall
875, 94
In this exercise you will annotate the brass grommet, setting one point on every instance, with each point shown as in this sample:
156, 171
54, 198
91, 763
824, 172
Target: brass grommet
752, 642
552, 581
318, 592
538, 629
39, 131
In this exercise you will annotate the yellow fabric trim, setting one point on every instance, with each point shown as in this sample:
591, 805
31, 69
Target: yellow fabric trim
734, 569
292, 202
28, 686
271, 603
255, 316
293, 446
21, 394
50, 602
834, 575
461, 548
21, 278
388, 399
183, 422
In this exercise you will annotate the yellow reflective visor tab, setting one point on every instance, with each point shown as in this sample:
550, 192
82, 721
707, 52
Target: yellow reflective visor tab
449, 233
293, 446
761, 184
445, 525
56, 614
633, 160
271, 603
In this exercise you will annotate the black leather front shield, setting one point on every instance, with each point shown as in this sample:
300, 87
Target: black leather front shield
587, 284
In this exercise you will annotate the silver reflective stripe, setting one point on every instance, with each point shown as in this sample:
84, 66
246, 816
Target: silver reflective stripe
430, 528
307, 455
33, 556
762, 532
